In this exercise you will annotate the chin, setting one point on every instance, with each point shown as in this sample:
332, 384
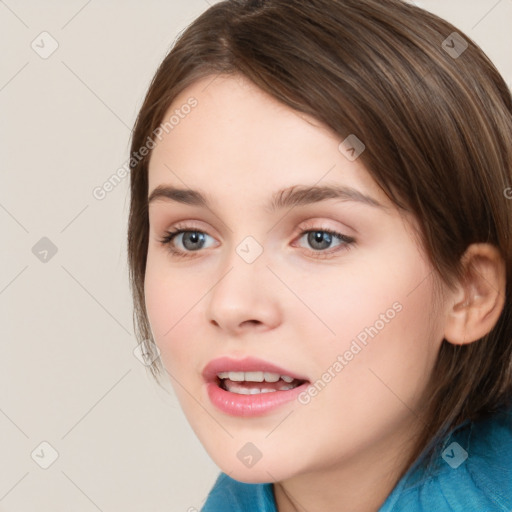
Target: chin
266, 469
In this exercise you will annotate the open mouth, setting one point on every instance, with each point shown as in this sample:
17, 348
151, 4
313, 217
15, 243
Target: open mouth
250, 386
254, 383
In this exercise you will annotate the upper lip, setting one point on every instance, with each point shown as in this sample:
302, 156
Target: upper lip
247, 364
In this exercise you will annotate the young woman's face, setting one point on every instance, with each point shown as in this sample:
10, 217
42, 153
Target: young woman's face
347, 315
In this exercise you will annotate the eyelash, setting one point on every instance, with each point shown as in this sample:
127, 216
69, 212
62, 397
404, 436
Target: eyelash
171, 234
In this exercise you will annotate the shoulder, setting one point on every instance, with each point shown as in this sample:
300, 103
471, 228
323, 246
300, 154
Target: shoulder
228, 495
474, 472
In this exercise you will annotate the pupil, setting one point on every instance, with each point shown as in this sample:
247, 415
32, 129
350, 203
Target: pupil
194, 236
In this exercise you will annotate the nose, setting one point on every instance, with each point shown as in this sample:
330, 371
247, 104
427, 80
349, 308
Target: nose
244, 298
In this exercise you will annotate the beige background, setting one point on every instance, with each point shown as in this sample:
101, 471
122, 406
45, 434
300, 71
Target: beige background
68, 375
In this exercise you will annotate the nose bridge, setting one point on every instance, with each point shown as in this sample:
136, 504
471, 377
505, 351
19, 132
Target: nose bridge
243, 268
243, 292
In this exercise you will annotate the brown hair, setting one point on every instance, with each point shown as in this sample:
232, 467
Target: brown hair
437, 126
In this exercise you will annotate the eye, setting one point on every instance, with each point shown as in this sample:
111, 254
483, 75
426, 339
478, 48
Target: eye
322, 238
192, 241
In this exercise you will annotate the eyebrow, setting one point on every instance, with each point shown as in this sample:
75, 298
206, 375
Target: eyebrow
298, 195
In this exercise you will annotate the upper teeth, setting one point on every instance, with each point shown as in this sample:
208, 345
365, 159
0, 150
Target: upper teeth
254, 376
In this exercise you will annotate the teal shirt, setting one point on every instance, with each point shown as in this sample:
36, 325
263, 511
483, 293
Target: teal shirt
473, 474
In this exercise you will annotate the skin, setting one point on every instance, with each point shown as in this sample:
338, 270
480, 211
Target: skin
345, 449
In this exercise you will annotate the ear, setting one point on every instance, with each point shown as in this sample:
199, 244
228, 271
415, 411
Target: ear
475, 306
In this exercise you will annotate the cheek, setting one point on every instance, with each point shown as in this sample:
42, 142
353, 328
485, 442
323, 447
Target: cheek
386, 341
351, 302
170, 298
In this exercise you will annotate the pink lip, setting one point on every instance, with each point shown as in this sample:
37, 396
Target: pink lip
247, 405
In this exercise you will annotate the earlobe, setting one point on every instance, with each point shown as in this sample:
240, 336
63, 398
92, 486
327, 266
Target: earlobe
476, 306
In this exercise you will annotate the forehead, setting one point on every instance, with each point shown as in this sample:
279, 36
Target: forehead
238, 139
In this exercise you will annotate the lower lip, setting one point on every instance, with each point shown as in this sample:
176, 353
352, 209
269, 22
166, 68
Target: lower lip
237, 404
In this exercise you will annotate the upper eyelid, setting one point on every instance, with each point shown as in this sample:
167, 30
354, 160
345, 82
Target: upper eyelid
318, 225
310, 221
